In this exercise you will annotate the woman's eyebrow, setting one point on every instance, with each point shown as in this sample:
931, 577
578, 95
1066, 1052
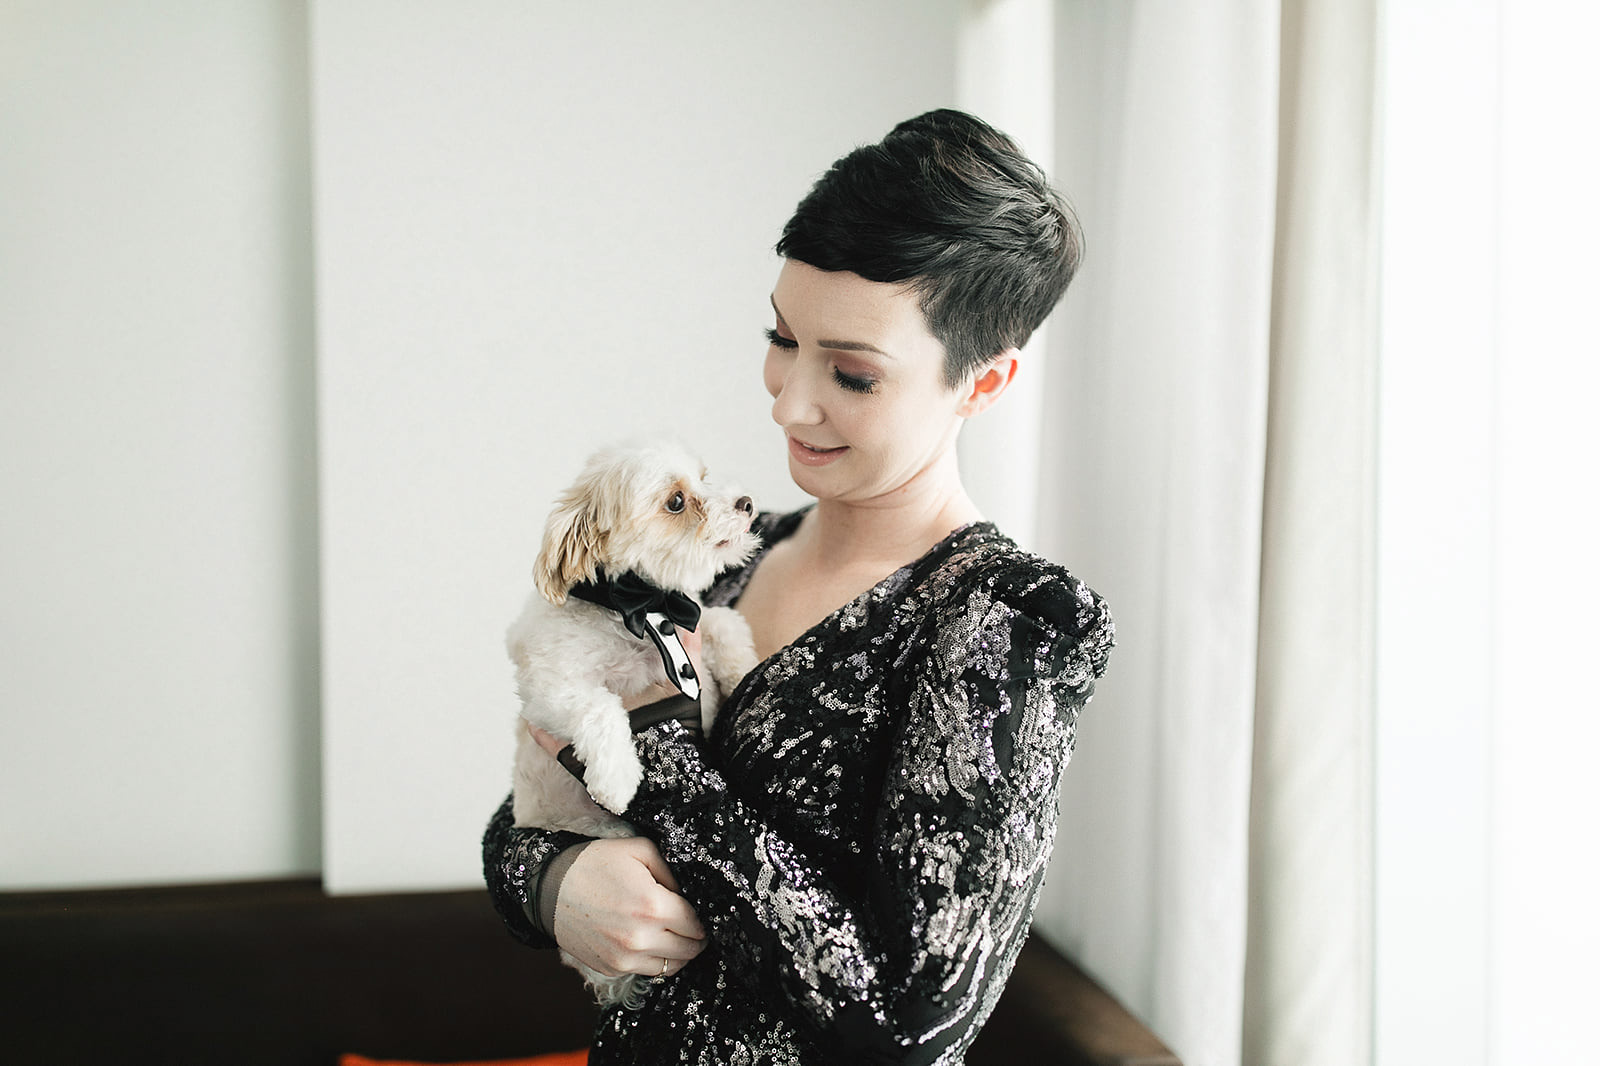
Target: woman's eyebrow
854, 346
838, 346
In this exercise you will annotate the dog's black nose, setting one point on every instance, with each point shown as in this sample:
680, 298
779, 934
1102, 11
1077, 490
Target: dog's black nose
745, 504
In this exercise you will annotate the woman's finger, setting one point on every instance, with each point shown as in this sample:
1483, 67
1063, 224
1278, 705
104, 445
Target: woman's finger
666, 957
679, 948
691, 647
675, 912
652, 860
549, 743
679, 919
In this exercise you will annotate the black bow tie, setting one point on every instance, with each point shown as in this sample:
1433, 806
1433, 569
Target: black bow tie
633, 597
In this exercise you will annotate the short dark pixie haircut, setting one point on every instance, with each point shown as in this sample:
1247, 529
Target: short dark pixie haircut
951, 206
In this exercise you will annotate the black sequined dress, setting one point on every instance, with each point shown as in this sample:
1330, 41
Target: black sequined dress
866, 829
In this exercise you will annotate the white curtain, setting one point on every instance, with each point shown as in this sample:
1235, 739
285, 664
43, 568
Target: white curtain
1157, 413
1333, 803
1308, 972
1205, 461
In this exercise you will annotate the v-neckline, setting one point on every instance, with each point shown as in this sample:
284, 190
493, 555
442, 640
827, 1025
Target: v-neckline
790, 522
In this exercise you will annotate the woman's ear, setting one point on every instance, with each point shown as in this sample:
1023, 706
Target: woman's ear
989, 383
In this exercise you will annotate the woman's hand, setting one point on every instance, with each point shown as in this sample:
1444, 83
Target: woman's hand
619, 911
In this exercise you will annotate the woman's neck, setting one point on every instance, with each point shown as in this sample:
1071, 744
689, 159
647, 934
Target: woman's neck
888, 532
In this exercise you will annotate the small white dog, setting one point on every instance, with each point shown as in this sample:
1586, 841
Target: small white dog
639, 512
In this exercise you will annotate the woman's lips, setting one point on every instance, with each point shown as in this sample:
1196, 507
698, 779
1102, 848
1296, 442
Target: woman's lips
811, 456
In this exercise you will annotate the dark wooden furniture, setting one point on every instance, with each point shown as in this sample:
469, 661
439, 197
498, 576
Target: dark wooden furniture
280, 974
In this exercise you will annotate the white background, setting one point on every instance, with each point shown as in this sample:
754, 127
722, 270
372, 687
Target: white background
539, 228
273, 497
158, 657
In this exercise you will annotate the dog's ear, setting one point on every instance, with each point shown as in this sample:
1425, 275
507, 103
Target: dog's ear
573, 540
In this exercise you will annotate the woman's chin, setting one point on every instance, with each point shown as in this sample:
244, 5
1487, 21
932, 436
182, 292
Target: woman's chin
812, 480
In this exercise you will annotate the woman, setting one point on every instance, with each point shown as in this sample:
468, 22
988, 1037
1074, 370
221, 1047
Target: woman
845, 869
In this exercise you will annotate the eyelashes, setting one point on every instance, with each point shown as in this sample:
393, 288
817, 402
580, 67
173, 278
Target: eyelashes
848, 382
853, 384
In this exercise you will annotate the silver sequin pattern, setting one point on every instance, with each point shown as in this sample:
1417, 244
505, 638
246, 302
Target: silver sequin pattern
865, 832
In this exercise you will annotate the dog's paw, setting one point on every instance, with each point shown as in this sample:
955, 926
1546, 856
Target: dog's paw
729, 648
613, 828
597, 825
614, 782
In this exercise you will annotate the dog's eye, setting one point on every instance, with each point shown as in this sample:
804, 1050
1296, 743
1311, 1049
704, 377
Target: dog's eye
675, 502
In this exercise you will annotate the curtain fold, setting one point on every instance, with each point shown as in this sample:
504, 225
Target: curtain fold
1308, 977
1151, 487
1005, 72
1207, 463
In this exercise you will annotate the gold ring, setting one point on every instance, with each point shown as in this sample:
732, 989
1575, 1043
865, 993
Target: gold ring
663, 972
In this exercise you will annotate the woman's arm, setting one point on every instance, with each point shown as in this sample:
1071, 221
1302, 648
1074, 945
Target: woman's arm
908, 963
611, 904
619, 909
514, 862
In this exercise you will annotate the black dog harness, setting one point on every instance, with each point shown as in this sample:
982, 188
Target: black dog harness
654, 613
649, 611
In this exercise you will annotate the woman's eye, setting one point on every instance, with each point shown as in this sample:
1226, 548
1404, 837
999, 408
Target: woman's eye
778, 340
675, 502
854, 384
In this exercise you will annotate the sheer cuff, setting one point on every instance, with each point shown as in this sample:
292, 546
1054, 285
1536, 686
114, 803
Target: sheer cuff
541, 905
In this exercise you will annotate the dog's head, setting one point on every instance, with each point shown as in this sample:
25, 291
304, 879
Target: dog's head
647, 508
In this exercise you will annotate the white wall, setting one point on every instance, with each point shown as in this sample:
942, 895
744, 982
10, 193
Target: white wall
158, 632
540, 227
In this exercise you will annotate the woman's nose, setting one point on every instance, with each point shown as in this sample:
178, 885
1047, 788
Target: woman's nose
792, 403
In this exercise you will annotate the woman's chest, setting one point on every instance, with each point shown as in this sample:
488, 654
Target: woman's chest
785, 597
809, 736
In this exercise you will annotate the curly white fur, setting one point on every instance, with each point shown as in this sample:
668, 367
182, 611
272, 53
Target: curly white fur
649, 509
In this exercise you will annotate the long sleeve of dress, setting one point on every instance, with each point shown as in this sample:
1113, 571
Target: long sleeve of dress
899, 956
513, 859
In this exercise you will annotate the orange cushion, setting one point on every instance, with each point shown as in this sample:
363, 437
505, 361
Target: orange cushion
554, 1058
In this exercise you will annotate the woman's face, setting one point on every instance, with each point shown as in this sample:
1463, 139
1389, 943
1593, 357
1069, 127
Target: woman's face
857, 384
